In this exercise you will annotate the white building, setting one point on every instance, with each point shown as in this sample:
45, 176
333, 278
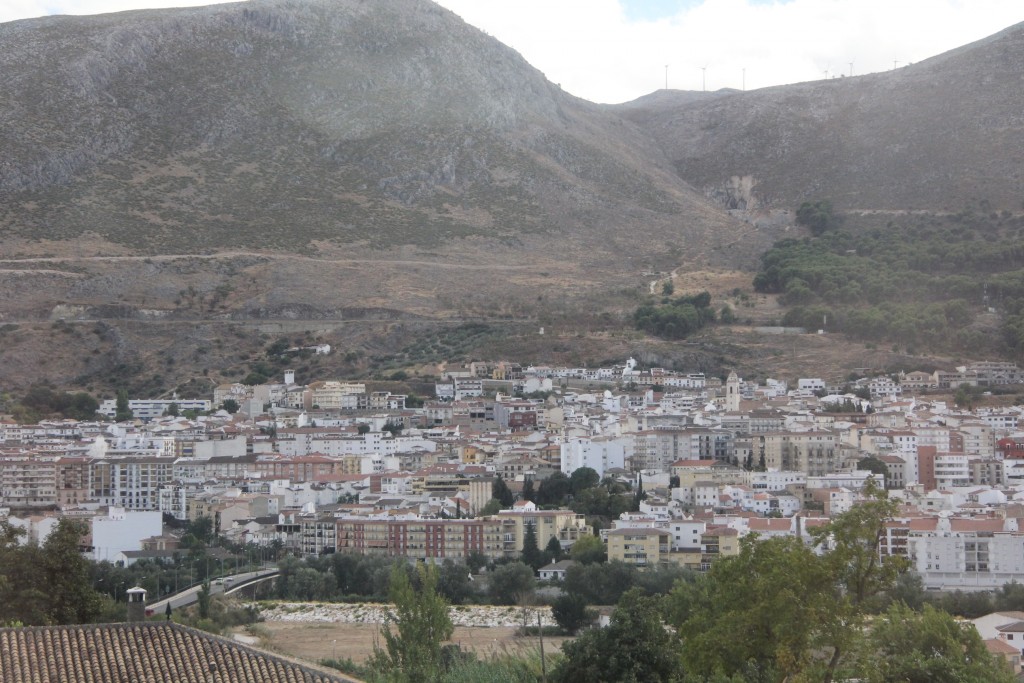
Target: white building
122, 530
598, 453
967, 554
148, 409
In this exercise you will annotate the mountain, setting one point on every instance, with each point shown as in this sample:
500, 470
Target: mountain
933, 136
276, 124
314, 163
180, 190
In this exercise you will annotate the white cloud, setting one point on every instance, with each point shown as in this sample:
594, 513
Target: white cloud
593, 51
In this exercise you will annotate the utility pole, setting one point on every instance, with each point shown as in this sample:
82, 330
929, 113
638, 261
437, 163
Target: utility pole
851, 69
666, 77
704, 78
744, 78
543, 664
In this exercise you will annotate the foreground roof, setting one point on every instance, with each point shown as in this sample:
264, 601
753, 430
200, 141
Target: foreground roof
152, 652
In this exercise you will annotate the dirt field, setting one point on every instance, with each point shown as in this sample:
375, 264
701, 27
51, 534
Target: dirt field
315, 641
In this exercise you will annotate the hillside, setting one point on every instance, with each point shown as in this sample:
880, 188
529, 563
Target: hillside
180, 188
933, 136
276, 124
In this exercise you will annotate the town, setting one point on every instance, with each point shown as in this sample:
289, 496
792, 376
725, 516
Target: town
329, 467
652, 469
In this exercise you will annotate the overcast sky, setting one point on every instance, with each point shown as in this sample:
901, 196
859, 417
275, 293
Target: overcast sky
618, 50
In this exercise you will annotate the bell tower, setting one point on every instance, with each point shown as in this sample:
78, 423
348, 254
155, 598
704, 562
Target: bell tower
732, 393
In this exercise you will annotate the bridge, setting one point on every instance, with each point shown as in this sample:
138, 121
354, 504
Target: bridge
225, 585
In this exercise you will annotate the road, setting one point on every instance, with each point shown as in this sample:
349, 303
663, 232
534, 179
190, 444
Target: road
461, 265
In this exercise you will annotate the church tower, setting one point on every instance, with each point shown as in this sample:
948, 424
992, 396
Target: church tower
732, 393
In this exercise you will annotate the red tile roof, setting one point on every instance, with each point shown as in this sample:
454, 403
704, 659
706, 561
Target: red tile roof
152, 652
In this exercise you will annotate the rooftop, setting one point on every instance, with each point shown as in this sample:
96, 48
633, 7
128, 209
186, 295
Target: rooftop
153, 652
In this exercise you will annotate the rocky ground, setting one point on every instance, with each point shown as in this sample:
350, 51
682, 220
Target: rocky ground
315, 631
484, 616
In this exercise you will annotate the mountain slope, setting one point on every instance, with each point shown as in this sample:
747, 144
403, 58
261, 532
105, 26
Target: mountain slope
282, 123
936, 135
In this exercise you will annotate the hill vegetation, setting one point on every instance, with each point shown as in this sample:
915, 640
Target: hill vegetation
920, 281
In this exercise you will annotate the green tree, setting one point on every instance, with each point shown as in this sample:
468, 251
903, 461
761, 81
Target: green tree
199, 531
528, 491
634, 648
754, 612
553, 490
927, 647
1010, 598
203, 600
532, 555
255, 379
601, 584
583, 478
172, 410
640, 496
453, 582
588, 549
501, 492
414, 631
476, 561
872, 464
363, 428
553, 550
230, 405
48, 584
492, 507
65, 575
507, 583
803, 614
121, 410
817, 216
571, 613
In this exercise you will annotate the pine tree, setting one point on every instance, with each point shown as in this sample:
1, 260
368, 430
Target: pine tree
528, 492
532, 555
640, 495
121, 410
502, 493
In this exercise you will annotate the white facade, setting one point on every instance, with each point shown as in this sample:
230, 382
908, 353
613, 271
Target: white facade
147, 409
966, 560
599, 453
122, 530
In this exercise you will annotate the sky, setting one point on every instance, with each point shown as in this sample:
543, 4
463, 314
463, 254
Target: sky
617, 50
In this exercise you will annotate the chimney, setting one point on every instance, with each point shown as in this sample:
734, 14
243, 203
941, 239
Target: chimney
136, 604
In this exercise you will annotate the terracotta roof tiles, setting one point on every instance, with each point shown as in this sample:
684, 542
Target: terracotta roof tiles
152, 652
